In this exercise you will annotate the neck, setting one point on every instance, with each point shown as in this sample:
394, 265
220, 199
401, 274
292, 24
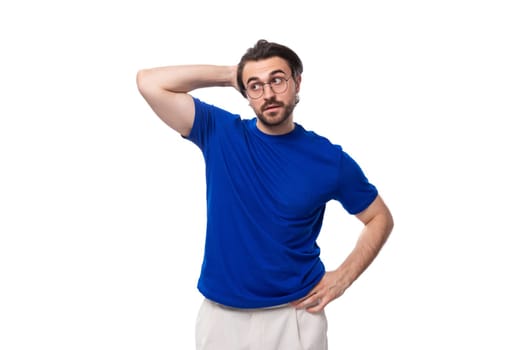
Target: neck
279, 129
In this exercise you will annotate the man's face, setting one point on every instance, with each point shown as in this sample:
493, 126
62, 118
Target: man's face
272, 80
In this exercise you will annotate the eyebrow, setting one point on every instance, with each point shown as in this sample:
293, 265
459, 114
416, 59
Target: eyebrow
272, 73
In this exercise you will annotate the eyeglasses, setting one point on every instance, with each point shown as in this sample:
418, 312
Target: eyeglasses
255, 89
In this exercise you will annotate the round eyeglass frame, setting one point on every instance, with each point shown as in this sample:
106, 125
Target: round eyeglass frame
271, 83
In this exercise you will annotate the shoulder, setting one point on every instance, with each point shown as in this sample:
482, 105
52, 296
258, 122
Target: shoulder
209, 114
202, 107
209, 121
320, 142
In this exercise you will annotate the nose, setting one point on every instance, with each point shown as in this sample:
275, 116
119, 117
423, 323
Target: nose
267, 91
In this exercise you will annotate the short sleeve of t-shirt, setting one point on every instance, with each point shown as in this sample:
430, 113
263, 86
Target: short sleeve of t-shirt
354, 191
202, 125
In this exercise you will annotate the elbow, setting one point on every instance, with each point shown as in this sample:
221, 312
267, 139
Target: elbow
141, 81
147, 82
388, 223
388, 220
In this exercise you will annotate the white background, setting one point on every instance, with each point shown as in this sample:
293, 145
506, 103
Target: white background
102, 205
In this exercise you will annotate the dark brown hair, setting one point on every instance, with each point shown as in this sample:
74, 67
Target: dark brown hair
263, 50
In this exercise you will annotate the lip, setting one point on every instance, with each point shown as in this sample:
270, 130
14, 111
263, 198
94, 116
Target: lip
271, 107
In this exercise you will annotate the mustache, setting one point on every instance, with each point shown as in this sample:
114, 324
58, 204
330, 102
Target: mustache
271, 102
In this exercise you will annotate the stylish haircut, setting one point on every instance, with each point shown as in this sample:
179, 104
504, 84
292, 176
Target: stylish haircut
263, 50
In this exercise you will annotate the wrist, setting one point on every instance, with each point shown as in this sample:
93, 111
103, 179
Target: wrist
345, 276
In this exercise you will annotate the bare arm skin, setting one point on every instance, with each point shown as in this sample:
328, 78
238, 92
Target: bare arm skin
378, 223
166, 90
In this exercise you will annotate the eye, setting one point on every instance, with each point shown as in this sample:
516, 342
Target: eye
254, 86
277, 81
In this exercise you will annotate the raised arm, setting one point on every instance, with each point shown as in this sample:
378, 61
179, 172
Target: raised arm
166, 90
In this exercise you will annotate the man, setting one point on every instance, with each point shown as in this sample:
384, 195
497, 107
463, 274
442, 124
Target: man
268, 181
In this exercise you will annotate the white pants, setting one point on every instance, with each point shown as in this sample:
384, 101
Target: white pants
281, 328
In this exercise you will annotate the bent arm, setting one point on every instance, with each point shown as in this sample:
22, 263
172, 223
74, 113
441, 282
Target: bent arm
166, 90
378, 223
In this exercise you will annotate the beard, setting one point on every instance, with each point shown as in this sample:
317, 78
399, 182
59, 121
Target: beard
274, 118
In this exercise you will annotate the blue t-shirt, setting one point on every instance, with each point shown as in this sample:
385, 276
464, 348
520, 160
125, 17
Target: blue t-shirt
266, 197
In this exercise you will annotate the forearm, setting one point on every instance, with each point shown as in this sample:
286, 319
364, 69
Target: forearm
371, 240
378, 225
185, 78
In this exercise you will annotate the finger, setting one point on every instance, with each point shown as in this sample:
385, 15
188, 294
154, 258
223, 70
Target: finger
316, 307
303, 300
309, 302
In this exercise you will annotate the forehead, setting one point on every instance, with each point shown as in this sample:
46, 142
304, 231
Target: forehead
263, 69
